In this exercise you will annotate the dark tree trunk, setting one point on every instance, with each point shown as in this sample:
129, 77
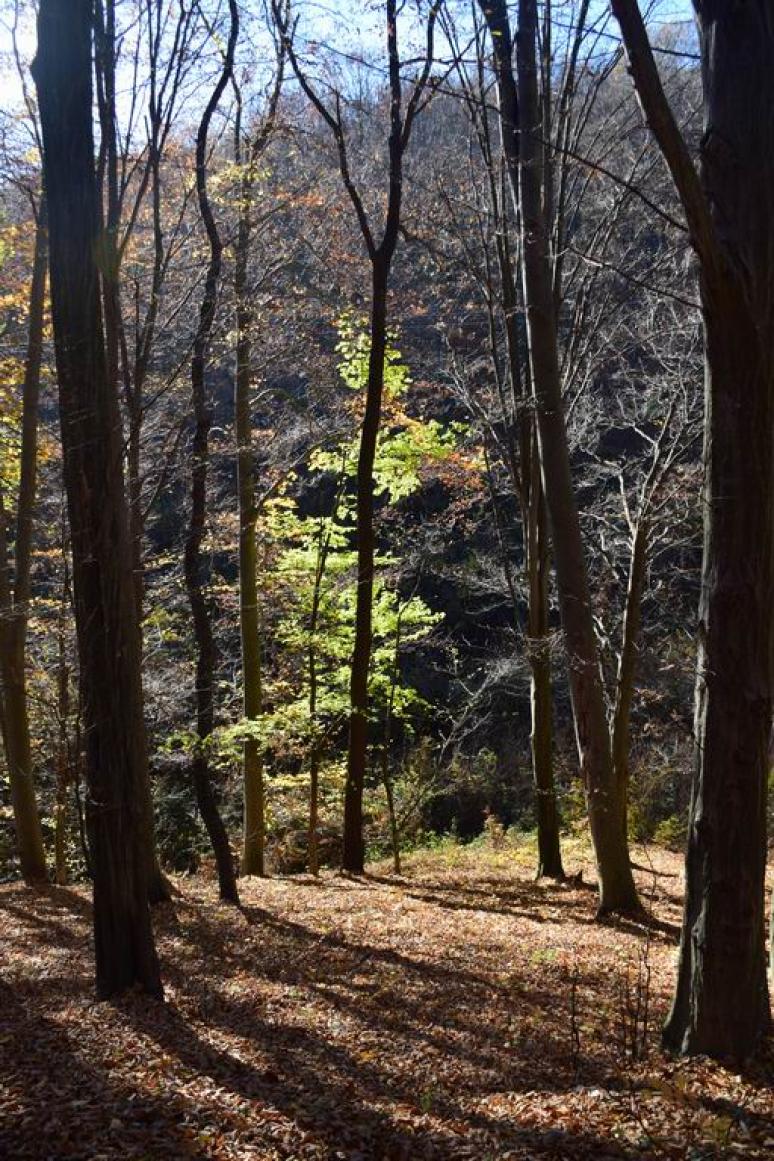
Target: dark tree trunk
721, 1004
521, 134
249, 613
195, 571
354, 850
541, 739
627, 665
105, 611
110, 267
528, 486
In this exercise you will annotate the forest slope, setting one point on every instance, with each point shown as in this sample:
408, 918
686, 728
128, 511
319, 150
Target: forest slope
461, 1010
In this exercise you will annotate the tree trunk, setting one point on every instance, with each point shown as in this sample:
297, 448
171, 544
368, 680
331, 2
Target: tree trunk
194, 565
541, 740
106, 616
62, 757
528, 487
14, 606
627, 665
249, 614
354, 851
617, 891
721, 1004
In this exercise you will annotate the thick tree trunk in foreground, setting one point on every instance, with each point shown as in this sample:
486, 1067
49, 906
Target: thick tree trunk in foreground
721, 1005
105, 611
195, 573
14, 602
617, 891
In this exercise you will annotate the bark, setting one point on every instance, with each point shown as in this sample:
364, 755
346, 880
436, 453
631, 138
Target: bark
721, 1005
627, 663
14, 601
110, 266
617, 891
354, 849
105, 612
249, 613
386, 776
194, 565
62, 759
528, 485
541, 739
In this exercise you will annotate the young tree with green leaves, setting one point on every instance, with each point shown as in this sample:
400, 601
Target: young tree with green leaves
380, 247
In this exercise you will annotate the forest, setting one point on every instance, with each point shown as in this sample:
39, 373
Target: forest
386, 573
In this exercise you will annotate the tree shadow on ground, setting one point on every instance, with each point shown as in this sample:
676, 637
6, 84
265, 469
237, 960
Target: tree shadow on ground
289, 1032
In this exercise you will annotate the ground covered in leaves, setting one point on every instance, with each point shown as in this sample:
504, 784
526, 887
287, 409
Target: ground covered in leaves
460, 1010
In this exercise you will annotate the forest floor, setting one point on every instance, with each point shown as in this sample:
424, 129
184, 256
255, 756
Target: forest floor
460, 1010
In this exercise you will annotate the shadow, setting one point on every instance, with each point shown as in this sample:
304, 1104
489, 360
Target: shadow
316, 1025
53, 1104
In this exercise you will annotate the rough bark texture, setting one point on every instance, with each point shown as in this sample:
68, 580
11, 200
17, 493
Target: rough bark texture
195, 571
105, 611
14, 599
721, 1005
617, 891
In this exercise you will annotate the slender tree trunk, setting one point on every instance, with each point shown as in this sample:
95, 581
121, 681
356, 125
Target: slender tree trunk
249, 613
521, 133
354, 850
14, 604
62, 758
312, 844
195, 570
627, 665
541, 700
381, 256
106, 619
386, 778
528, 486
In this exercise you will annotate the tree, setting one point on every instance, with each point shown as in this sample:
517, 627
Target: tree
194, 564
522, 129
105, 608
381, 252
15, 598
248, 151
721, 1004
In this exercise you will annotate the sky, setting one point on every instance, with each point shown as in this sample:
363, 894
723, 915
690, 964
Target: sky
334, 33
